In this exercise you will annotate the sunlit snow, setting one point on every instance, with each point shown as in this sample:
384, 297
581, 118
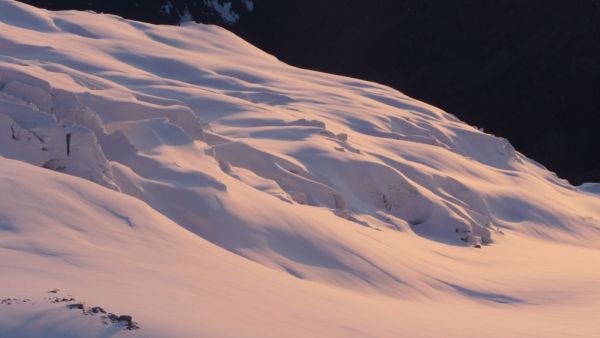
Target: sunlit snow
183, 177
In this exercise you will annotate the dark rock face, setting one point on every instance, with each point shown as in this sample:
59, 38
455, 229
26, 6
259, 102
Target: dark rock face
525, 70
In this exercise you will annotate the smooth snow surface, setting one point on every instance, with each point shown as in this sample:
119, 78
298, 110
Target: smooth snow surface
208, 190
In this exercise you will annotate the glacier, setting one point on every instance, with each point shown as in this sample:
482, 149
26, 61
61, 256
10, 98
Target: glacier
185, 177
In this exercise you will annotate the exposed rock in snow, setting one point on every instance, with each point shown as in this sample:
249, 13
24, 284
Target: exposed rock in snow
224, 9
249, 4
167, 8
185, 17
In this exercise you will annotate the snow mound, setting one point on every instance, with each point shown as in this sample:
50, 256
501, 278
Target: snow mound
214, 152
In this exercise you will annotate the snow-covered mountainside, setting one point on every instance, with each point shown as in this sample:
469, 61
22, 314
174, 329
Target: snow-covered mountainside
181, 176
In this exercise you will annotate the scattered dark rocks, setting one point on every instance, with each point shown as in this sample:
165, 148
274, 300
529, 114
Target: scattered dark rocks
107, 317
128, 320
96, 309
75, 306
10, 301
112, 317
61, 299
131, 325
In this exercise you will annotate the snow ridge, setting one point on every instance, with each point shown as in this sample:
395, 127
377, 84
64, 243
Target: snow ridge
332, 187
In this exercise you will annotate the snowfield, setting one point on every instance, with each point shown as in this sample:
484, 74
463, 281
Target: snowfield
185, 178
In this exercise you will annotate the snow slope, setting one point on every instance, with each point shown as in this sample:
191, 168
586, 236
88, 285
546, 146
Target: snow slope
215, 191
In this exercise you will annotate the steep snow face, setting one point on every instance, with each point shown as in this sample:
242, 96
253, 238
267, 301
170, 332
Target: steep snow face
142, 96
344, 189
32, 133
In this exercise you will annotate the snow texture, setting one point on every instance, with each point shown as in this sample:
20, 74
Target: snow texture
184, 177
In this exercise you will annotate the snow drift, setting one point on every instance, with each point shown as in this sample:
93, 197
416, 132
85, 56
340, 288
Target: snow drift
230, 194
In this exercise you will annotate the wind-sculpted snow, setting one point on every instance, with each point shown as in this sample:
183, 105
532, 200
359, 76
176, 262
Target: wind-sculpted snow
341, 189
